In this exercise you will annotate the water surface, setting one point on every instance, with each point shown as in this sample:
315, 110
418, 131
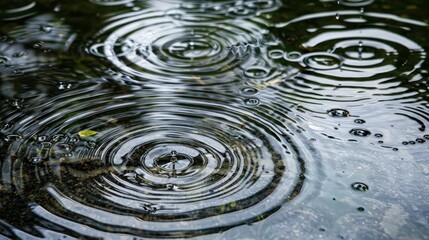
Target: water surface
214, 119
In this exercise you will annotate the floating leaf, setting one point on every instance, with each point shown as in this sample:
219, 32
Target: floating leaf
86, 133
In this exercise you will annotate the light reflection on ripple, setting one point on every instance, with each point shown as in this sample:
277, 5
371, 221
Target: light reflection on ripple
160, 163
176, 47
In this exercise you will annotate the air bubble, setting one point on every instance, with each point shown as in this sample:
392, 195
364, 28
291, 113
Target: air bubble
46, 28
276, 54
3, 59
360, 132
420, 140
337, 112
251, 102
360, 121
426, 137
361, 209
359, 186
378, 135
249, 91
19, 54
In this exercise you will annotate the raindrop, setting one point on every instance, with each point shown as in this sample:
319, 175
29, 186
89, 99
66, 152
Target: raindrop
360, 132
337, 16
359, 186
251, 102
338, 112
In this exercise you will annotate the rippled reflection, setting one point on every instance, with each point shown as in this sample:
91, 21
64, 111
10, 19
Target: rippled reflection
127, 119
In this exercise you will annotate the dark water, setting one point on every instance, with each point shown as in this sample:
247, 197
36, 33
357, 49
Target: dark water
254, 119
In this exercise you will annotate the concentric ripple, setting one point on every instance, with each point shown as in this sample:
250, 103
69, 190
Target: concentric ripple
359, 46
150, 164
362, 57
180, 47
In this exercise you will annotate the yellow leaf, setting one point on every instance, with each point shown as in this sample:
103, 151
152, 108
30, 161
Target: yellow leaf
86, 133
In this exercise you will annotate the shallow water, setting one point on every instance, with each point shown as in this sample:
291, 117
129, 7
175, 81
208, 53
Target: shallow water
214, 119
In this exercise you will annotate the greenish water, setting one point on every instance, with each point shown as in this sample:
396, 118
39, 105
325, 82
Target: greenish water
253, 119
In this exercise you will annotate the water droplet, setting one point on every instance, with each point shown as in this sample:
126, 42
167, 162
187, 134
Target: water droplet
36, 160
12, 138
173, 153
38, 45
360, 132
19, 54
169, 186
404, 143
46, 28
64, 86
337, 16
276, 54
359, 186
91, 144
251, 101
378, 135
17, 72
360, 121
395, 149
412, 142
257, 72
248, 91
323, 61
293, 55
426, 136
338, 112
420, 140
3, 59
42, 138
361, 209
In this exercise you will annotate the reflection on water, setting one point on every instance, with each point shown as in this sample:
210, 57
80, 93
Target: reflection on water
217, 119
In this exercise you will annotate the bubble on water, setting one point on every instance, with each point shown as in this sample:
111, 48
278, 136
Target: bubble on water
19, 54
3, 59
46, 28
361, 209
420, 140
404, 143
257, 72
293, 56
36, 160
360, 132
64, 86
359, 186
426, 137
322, 61
338, 112
378, 135
249, 91
412, 142
356, 3
395, 149
251, 102
360, 121
12, 138
276, 54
